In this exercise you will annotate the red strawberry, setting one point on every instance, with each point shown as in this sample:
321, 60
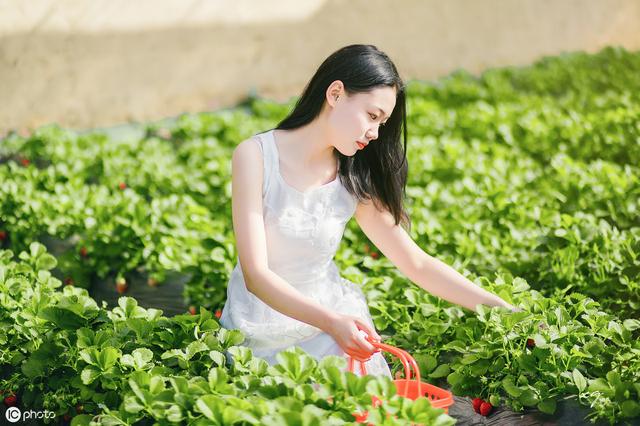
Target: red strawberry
152, 282
477, 402
25, 162
531, 343
11, 400
83, 251
3, 235
68, 281
121, 285
218, 313
192, 310
374, 254
485, 408
122, 185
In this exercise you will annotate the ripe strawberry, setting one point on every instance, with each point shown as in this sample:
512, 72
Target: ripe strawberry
531, 343
192, 310
68, 281
121, 285
11, 400
3, 235
486, 408
152, 282
477, 402
218, 313
374, 254
83, 251
122, 185
25, 162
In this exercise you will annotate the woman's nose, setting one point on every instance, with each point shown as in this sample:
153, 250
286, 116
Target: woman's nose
372, 134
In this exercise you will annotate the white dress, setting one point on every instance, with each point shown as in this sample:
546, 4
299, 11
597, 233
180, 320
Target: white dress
303, 231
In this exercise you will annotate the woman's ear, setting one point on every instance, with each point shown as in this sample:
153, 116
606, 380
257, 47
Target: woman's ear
334, 92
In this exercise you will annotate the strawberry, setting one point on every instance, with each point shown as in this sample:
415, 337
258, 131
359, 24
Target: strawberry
477, 402
68, 281
79, 408
218, 313
192, 310
25, 162
121, 285
531, 343
3, 235
122, 185
374, 254
486, 408
11, 400
152, 282
83, 251
366, 248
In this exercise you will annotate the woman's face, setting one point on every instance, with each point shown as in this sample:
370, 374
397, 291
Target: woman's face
357, 118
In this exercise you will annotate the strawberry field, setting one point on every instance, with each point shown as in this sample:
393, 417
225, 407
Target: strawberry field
526, 180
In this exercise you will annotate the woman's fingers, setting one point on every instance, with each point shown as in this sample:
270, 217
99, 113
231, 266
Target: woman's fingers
367, 329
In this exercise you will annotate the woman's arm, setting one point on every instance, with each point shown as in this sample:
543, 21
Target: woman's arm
431, 274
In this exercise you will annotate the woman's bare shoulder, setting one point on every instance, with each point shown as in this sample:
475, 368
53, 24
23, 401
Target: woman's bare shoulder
248, 151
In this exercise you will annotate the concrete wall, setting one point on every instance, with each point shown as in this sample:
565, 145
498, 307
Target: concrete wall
106, 62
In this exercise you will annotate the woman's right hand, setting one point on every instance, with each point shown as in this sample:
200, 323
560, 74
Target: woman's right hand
350, 333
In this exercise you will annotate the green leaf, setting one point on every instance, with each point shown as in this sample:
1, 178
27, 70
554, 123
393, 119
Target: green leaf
89, 374
107, 358
579, 380
455, 378
63, 318
511, 388
528, 398
217, 357
630, 409
132, 405
46, 262
547, 406
441, 371
211, 406
631, 324
81, 420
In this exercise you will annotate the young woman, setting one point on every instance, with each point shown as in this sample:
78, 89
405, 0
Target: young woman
295, 187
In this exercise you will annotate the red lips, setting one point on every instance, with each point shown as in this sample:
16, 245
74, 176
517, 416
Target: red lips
360, 144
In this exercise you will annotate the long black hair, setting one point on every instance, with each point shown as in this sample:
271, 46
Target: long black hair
378, 173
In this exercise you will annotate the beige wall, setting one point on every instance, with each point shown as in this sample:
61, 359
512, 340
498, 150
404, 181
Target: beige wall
106, 62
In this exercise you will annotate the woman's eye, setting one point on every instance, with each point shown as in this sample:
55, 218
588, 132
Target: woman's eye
373, 116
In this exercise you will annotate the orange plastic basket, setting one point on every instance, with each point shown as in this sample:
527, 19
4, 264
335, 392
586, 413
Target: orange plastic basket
408, 388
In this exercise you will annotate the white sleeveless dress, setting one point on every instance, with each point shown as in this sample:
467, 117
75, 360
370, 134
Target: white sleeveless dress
303, 231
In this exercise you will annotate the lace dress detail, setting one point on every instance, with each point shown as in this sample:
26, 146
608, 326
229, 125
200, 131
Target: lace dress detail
303, 230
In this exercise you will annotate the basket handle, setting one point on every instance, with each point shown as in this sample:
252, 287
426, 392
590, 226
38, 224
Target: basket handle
406, 359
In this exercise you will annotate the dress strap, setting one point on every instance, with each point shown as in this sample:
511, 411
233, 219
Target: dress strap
268, 155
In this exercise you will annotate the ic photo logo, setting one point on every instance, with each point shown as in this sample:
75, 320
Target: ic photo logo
14, 415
